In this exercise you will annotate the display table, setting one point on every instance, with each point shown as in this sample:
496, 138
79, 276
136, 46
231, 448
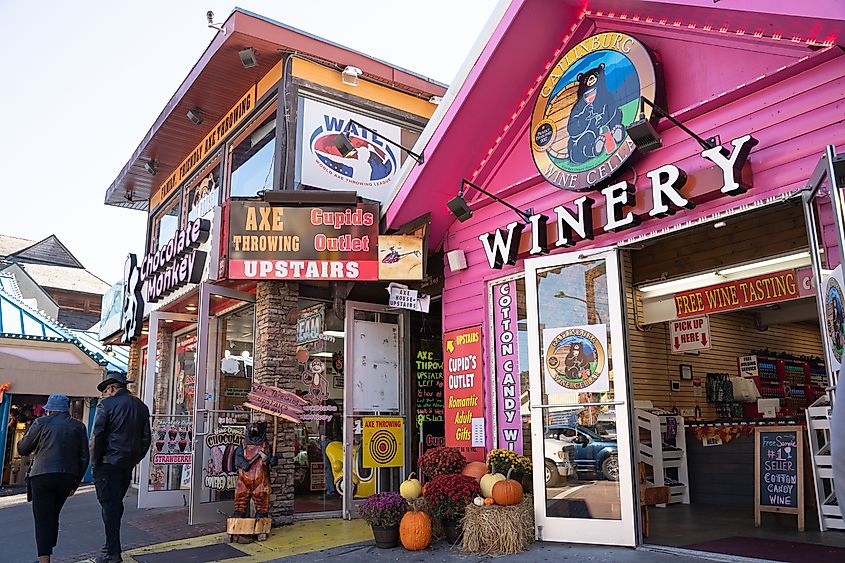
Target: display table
722, 473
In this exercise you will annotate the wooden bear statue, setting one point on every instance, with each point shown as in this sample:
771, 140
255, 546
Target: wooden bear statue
253, 458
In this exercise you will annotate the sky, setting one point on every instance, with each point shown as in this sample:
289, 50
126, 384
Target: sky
84, 81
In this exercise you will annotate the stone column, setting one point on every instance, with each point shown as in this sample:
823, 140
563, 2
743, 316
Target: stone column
133, 370
275, 364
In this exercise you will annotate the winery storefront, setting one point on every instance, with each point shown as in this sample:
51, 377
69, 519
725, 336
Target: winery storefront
644, 255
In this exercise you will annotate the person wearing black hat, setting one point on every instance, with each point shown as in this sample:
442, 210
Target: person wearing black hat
120, 439
61, 459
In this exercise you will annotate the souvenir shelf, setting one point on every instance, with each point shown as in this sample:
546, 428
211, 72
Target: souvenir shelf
668, 464
818, 427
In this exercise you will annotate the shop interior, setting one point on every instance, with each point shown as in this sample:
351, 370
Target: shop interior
23, 412
698, 405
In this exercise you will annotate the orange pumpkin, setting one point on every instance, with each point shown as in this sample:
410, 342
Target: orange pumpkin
475, 469
507, 492
415, 530
488, 502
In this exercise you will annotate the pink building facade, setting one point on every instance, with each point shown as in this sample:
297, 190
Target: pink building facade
765, 77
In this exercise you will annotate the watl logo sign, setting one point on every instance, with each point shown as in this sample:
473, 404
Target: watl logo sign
502, 245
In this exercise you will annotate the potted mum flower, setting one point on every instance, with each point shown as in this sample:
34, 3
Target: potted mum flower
448, 496
442, 461
501, 461
383, 512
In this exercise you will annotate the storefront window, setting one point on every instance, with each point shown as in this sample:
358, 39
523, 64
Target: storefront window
236, 361
252, 160
318, 446
203, 193
167, 223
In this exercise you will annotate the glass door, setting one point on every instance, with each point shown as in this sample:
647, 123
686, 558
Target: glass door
579, 399
225, 351
165, 474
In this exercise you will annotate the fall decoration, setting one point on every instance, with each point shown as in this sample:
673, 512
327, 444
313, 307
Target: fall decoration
383, 509
478, 501
475, 469
448, 495
507, 492
415, 530
502, 460
441, 461
499, 530
489, 502
487, 482
410, 488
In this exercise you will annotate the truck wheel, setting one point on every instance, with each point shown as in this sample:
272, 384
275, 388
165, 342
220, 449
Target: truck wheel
610, 468
552, 476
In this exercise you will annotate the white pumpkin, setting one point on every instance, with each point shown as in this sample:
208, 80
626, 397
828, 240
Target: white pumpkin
487, 482
411, 489
478, 501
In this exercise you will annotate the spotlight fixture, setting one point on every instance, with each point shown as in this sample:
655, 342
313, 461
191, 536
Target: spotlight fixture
195, 115
647, 139
150, 167
460, 209
248, 57
350, 75
347, 149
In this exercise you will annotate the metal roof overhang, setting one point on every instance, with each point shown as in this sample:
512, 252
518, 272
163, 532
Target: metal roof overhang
218, 80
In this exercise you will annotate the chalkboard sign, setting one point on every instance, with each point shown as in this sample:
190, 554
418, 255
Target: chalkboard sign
779, 471
428, 370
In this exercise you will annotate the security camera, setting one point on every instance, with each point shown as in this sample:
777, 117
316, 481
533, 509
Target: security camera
209, 15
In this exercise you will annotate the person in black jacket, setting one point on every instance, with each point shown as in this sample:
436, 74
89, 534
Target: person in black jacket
60, 443
120, 439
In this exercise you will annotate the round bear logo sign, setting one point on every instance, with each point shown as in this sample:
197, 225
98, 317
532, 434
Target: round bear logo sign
578, 127
575, 359
834, 309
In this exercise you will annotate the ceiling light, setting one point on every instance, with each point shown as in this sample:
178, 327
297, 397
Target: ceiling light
684, 283
719, 224
350, 75
435, 100
322, 355
335, 333
195, 116
190, 307
764, 263
248, 57
150, 167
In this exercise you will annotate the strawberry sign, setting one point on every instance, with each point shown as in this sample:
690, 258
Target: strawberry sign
689, 335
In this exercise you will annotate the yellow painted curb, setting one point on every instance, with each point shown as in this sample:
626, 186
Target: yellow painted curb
304, 536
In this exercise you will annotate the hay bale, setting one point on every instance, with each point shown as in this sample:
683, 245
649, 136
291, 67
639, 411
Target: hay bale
498, 530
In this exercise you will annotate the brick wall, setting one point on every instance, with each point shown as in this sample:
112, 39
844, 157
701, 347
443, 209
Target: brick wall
133, 369
275, 364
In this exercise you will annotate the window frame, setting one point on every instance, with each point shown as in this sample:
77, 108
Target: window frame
241, 135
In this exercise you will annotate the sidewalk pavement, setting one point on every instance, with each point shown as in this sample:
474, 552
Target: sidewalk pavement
315, 541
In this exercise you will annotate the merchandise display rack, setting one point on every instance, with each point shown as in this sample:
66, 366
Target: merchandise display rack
796, 383
668, 463
818, 428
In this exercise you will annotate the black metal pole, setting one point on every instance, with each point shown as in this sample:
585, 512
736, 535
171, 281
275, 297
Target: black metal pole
521, 213
684, 128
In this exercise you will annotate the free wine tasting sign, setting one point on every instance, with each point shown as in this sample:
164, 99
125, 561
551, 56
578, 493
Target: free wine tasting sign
463, 405
302, 243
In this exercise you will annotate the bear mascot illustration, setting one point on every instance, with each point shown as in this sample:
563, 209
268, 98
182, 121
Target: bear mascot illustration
253, 458
575, 362
595, 122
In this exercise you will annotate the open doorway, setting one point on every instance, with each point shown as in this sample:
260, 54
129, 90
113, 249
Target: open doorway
724, 341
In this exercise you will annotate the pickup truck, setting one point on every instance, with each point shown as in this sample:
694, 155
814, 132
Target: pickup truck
594, 453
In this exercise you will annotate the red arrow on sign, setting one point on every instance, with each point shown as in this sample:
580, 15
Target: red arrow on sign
677, 343
704, 339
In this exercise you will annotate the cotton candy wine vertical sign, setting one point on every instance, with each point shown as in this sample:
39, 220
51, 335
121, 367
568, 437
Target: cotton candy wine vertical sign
506, 352
463, 400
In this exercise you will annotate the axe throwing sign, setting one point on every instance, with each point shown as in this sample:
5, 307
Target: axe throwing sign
689, 335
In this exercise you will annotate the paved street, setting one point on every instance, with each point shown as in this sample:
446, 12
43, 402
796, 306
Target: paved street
81, 531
